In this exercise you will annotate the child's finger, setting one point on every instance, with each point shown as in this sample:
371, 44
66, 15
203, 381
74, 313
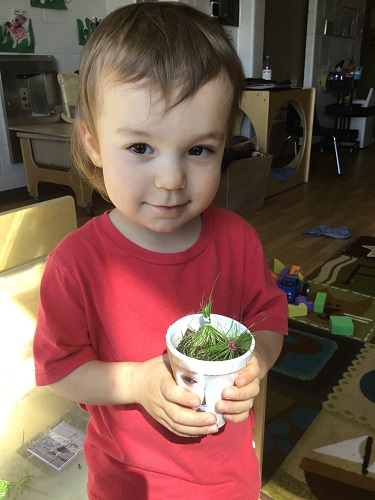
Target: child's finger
248, 374
189, 423
248, 391
236, 417
234, 407
178, 395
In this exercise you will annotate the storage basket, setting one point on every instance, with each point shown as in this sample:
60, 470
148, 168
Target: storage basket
243, 184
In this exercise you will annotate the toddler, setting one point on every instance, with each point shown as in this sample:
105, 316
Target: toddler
160, 85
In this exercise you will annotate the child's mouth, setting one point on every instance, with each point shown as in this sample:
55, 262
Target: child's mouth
170, 208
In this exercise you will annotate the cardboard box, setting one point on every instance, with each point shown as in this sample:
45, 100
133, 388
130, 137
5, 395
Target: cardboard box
243, 184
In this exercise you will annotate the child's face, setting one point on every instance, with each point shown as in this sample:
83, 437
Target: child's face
161, 168
192, 382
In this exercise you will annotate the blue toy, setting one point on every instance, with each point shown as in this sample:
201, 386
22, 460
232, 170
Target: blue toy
293, 287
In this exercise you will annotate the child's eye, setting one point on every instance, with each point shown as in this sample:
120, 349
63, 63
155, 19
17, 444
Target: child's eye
199, 151
141, 149
189, 380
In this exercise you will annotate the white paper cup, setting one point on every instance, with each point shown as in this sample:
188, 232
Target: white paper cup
206, 379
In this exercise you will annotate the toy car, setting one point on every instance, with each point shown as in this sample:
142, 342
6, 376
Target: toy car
293, 287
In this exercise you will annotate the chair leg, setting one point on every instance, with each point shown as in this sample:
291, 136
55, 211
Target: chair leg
337, 155
282, 149
260, 417
295, 147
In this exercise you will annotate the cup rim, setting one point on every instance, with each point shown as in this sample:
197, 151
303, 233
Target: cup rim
208, 367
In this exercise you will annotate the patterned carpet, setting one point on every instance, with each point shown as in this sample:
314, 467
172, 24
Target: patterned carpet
349, 281
320, 423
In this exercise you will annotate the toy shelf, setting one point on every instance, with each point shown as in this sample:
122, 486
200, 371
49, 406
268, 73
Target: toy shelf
261, 107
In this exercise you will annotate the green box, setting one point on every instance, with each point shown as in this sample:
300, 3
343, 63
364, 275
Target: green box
341, 325
319, 302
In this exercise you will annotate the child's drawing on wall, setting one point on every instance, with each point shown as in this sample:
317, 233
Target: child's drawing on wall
86, 29
49, 4
17, 35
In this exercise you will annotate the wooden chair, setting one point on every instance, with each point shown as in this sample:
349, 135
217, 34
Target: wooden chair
260, 415
46, 150
46, 156
29, 234
69, 92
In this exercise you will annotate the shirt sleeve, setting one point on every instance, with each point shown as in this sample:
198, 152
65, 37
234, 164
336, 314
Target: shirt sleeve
62, 342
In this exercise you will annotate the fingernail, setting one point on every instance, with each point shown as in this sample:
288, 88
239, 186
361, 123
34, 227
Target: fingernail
213, 429
222, 407
228, 394
211, 421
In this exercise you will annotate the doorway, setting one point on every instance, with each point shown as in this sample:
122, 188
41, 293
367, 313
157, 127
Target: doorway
285, 30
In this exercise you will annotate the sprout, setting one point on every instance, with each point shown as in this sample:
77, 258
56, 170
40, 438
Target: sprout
210, 344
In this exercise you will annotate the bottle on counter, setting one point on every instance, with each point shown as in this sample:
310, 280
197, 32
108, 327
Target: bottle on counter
266, 68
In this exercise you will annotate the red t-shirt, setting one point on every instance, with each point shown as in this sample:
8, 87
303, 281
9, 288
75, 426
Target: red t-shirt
103, 297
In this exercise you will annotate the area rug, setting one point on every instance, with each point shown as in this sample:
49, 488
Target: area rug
320, 420
349, 281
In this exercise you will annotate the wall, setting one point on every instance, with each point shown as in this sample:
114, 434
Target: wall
55, 33
248, 38
285, 38
368, 51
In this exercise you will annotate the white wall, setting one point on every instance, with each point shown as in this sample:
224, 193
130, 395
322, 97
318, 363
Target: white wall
203, 5
114, 4
248, 38
56, 30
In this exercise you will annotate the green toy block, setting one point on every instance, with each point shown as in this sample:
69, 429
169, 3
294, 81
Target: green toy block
341, 325
319, 302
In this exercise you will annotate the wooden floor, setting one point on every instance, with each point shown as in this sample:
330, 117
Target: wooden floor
326, 199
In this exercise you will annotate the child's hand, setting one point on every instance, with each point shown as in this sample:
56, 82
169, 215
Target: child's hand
171, 405
239, 398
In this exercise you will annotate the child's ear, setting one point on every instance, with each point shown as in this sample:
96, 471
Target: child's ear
90, 145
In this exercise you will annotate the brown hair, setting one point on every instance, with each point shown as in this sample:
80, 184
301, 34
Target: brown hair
167, 46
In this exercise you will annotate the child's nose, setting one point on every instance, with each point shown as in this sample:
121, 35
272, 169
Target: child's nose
170, 174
